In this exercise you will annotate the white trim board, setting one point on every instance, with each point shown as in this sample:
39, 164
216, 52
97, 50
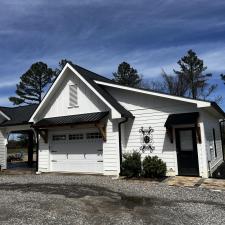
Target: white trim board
4, 115
114, 112
198, 102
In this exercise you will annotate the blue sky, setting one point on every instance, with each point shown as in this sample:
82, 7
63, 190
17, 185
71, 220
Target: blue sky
99, 34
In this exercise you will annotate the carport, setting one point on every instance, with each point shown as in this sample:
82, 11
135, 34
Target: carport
16, 120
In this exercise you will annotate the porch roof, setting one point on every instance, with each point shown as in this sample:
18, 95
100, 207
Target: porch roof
182, 118
17, 115
72, 119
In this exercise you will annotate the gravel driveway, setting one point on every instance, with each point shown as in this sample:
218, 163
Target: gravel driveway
66, 199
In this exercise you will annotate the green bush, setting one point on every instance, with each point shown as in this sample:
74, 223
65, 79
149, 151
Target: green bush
131, 165
154, 167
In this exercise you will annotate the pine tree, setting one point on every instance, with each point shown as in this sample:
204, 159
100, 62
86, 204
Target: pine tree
62, 63
126, 75
223, 77
192, 73
33, 84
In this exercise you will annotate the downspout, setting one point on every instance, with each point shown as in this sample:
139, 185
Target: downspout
37, 149
120, 140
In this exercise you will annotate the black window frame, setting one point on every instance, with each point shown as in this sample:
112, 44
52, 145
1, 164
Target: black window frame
222, 136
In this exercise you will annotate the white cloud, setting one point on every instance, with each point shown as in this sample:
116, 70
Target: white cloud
8, 83
215, 59
4, 101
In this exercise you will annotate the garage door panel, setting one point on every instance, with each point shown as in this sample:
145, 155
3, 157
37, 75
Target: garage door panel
59, 157
77, 166
76, 155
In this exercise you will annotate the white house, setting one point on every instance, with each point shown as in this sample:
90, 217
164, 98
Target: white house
86, 122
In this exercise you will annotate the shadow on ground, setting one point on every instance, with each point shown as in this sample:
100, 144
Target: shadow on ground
93, 205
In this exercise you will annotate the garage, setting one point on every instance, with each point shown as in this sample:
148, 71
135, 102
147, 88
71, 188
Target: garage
77, 150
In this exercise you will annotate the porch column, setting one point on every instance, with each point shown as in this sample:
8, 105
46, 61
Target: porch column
205, 155
30, 148
3, 156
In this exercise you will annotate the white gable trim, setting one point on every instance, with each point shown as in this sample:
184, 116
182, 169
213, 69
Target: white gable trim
4, 115
198, 102
114, 112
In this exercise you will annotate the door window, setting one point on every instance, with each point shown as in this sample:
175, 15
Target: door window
186, 141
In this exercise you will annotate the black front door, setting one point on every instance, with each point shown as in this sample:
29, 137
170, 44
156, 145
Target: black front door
187, 155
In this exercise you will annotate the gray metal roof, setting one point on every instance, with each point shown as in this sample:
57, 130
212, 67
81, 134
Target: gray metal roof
90, 77
73, 119
18, 115
182, 118
93, 76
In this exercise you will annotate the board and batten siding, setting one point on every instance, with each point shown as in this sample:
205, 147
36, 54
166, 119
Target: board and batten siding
151, 111
60, 105
215, 156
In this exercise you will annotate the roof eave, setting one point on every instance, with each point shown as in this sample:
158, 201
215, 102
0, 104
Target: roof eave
218, 109
15, 124
199, 103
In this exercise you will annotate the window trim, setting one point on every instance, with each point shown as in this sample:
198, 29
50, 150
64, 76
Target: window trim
214, 141
222, 136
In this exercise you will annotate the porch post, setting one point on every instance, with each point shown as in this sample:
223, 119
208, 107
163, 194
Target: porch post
30, 148
3, 153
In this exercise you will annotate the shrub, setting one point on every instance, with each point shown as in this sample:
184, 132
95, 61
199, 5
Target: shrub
131, 165
154, 167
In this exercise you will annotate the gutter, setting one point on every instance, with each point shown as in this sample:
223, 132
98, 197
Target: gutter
120, 142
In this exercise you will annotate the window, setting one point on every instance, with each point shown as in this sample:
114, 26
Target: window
186, 143
94, 135
214, 140
76, 136
59, 137
73, 101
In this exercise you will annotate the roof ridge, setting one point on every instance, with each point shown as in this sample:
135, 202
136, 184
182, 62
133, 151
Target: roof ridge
92, 72
159, 92
144, 89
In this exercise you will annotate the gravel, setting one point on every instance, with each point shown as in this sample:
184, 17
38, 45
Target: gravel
72, 199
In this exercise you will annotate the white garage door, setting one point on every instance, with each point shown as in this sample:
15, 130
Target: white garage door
76, 151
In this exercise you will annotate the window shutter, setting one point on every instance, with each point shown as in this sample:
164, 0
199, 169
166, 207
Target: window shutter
73, 101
